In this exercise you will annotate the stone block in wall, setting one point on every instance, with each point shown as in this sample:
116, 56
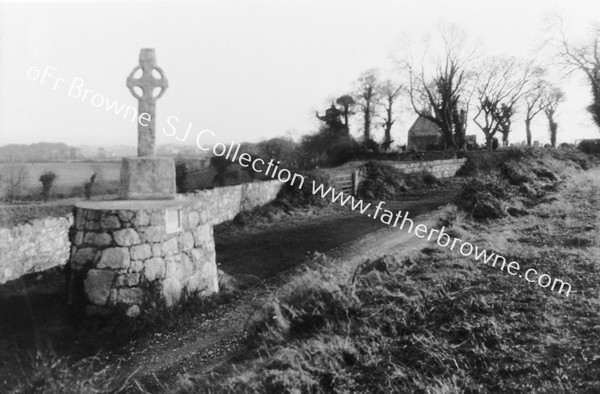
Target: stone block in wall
203, 236
187, 241
153, 234
187, 267
174, 268
94, 226
114, 258
198, 256
126, 216
78, 240
193, 219
140, 252
154, 268
83, 256
170, 247
79, 219
157, 250
199, 283
110, 222
92, 215
142, 219
128, 280
171, 291
135, 266
126, 237
133, 311
97, 239
98, 284
129, 296
157, 218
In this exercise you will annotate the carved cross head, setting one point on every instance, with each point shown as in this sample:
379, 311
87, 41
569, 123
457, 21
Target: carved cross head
147, 82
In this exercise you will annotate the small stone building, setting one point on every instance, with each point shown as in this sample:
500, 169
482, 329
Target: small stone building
424, 135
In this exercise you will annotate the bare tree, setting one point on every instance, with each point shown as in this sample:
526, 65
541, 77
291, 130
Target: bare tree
585, 57
367, 97
15, 178
549, 102
389, 92
533, 99
439, 96
502, 82
347, 103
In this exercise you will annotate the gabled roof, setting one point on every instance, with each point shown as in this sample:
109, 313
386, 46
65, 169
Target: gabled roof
423, 127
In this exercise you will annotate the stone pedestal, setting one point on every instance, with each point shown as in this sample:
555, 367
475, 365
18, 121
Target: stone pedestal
136, 256
147, 178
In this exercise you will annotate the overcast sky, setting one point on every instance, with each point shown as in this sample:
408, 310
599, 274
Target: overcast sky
247, 70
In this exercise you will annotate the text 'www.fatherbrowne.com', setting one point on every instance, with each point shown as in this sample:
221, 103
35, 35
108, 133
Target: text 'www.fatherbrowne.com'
439, 236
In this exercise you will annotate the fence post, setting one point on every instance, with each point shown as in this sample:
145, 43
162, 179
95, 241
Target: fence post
355, 182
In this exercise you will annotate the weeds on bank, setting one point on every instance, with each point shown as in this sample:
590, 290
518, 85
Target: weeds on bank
436, 322
51, 373
382, 181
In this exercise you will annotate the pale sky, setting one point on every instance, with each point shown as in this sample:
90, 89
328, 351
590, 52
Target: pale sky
247, 70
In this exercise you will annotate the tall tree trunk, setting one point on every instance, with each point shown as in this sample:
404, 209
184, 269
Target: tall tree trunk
528, 130
367, 122
553, 129
488, 142
388, 136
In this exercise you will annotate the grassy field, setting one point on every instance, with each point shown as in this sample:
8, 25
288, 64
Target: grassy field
69, 174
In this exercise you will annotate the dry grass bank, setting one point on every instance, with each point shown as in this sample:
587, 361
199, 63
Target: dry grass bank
438, 322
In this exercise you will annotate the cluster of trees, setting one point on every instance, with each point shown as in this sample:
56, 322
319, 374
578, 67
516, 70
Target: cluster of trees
489, 90
41, 151
14, 180
492, 90
374, 102
459, 86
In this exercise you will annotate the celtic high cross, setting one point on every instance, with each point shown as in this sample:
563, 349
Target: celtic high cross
147, 101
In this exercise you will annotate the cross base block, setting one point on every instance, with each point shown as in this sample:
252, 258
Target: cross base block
147, 178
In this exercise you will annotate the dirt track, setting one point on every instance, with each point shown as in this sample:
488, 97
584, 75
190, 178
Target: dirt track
211, 340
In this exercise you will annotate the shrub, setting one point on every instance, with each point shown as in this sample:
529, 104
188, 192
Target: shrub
483, 197
371, 146
327, 149
15, 178
88, 186
585, 160
289, 198
590, 146
381, 181
47, 180
480, 162
342, 151
181, 173
429, 179
515, 172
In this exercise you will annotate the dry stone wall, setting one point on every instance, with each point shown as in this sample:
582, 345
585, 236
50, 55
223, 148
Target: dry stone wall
128, 251
35, 246
127, 256
341, 179
439, 168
